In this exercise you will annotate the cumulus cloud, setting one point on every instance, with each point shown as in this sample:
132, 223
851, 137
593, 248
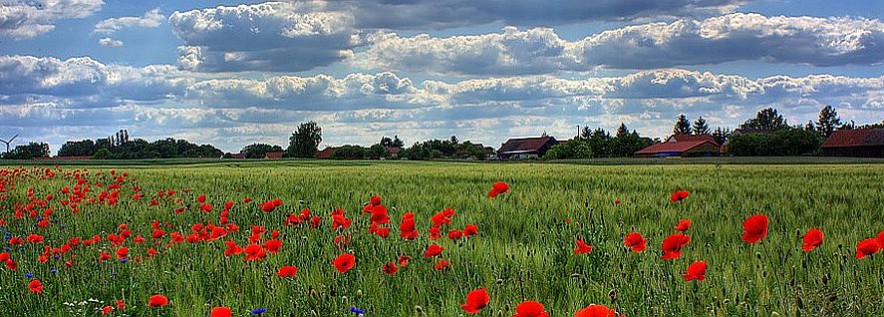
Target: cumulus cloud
150, 19
26, 19
734, 37
434, 14
106, 41
273, 36
42, 96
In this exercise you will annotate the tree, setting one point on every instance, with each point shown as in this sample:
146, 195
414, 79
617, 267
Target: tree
682, 126
397, 142
720, 135
304, 142
259, 150
28, 151
766, 120
700, 127
828, 121
622, 131
77, 148
349, 152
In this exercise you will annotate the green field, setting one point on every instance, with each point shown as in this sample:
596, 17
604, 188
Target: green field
524, 249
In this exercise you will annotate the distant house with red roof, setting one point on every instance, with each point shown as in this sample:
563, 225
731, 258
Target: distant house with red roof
274, 155
525, 148
238, 156
325, 153
855, 143
682, 145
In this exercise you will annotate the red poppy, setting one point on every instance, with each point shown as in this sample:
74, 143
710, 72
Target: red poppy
880, 238
403, 260
470, 230
221, 312
755, 228
375, 200
271, 205
390, 268
476, 300
595, 311
407, 228
866, 248
582, 247
455, 234
157, 301
103, 257
106, 310
254, 252
433, 250
201, 199
435, 233
122, 253
273, 246
679, 195
636, 242
696, 271
672, 245
498, 188
442, 264
35, 286
812, 239
232, 248
120, 304
683, 225
530, 309
344, 262
287, 271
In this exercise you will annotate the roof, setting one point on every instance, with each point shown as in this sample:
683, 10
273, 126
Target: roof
394, 149
525, 145
692, 137
238, 155
854, 138
274, 155
675, 146
325, 153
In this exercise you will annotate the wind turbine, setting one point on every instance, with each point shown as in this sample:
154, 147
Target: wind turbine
8, 142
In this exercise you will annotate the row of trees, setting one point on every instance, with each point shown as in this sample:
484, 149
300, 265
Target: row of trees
28, 151
600, 143
119, 146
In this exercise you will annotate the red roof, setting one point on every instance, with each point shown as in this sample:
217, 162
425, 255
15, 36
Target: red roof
669, 147
274, 155
325, 153
238, 155
693, 137
394, 149
525, 144
854, 138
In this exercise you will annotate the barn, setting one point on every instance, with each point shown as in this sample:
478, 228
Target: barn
682, 145
525, 148
855, 143
325, 153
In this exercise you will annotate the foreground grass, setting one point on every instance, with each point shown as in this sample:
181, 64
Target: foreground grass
523, 251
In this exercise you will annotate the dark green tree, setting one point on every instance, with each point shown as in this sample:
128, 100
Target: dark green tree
828, 121
259, 150
304, 142
682, 126
700, 127
765, 120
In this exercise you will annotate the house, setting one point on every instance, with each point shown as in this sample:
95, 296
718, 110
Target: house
682, 145
525, 148
238, 156
325, 153
274, 155
855, 143
394, 151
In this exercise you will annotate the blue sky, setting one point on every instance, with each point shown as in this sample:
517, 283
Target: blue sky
232, 73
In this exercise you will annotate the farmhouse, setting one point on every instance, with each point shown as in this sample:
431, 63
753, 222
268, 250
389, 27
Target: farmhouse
274, 155
525, 148
855, 143
325, 153
682, 145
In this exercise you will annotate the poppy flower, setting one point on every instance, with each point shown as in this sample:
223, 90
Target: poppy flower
157, 301
679, 195
530, 309
470, 230
254, 252
390, 268
106, 310
344, 262
595, 311
287, 271
582, 247
696, 271
441, 265
433, 250
880, 239
866, 248
455, 234
755, 228
122, 252
498, 188
121, 304
273, 246
35, 286
812, 239
476, 300
672, 245
375, 200
403, 260
201, 199
683, 225
636, 242
221, 312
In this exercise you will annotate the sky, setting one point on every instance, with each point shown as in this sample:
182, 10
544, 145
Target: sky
232, 73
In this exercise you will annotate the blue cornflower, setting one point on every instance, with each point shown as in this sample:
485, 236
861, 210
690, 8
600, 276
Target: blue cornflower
258, 311
29, 275
53, 271
124, 260
357, 311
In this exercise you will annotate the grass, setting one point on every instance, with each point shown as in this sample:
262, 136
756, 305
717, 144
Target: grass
524, 250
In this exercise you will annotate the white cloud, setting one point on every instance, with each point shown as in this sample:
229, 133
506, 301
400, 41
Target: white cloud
21, 19
150, 19
106, 41
273, 36
734, 37
45, 97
